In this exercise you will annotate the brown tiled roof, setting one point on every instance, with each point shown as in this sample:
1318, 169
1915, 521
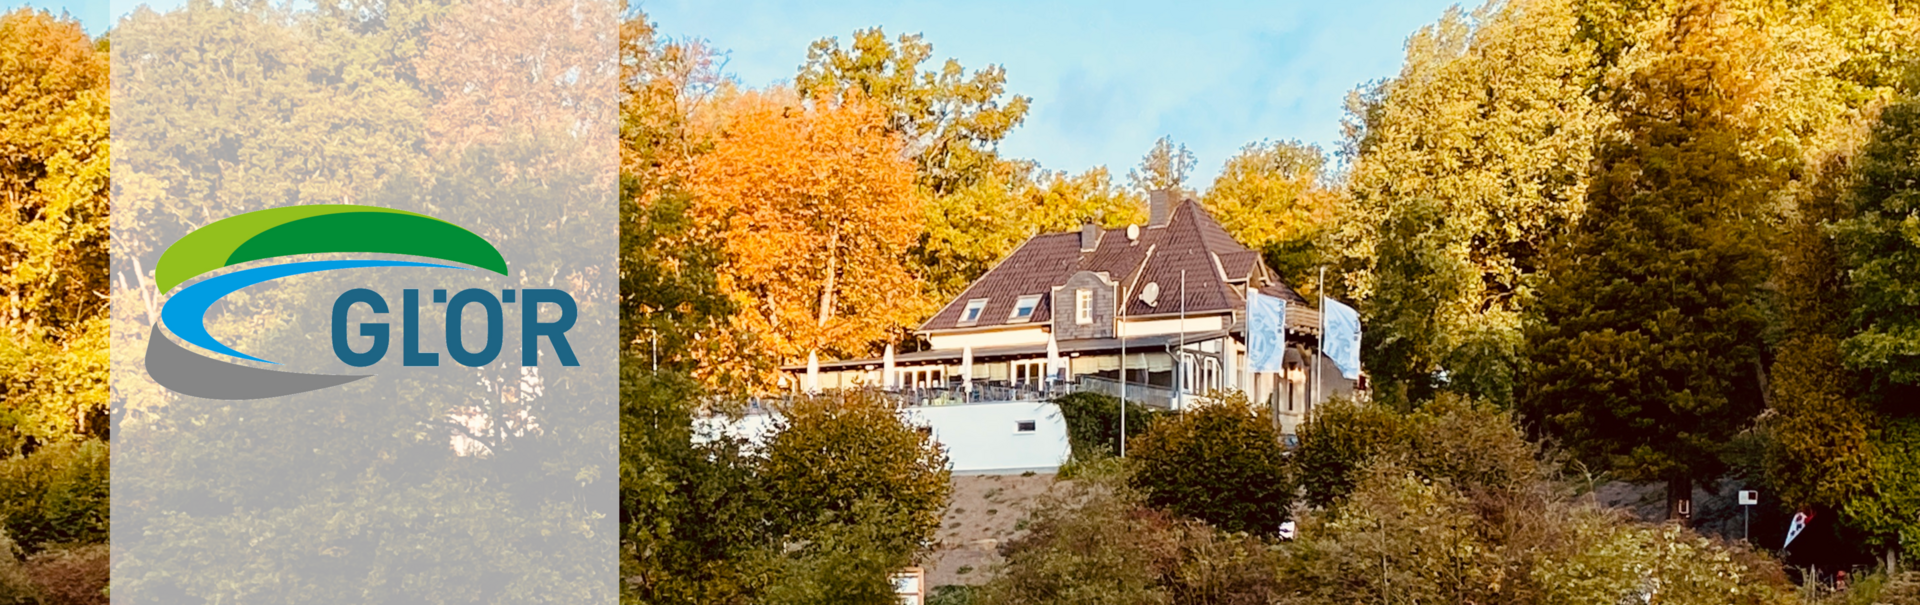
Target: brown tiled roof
1191, 241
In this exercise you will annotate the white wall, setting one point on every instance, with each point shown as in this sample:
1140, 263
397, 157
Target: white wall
1031, 334
1195, 324
980, 437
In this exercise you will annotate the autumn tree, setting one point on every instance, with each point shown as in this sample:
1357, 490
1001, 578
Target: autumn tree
1647, 357
1271, 196
950, 122
1465, 166
1819, 454
54, 166
1165, 166
818, 212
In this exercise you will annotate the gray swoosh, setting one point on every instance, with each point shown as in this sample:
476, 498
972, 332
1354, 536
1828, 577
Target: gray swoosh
188, 373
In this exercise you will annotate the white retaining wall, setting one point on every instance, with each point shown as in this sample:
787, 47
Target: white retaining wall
981, 438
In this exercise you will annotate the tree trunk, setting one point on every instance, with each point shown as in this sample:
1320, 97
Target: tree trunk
833, 269
1680, 499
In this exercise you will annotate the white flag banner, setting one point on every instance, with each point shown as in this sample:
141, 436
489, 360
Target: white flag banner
1799, 522
1340, 336
1266, 338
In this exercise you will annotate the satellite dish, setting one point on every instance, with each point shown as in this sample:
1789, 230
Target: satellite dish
1133, 233
1150, 294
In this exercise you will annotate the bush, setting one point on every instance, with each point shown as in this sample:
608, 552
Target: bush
71, 575
1475, 446
1221, 463
1340, 439
1093, 423
1094, 540
1890, 510
57, 494
1090, 542
830, 453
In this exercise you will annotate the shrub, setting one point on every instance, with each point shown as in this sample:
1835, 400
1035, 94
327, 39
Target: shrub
1093, 423
1890, 510
830, 453
1094, 540
1340, 438
1221, 463
71, 575
57, 494
1089, 542
1475, 446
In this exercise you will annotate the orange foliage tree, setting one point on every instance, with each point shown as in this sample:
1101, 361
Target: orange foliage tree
816, 209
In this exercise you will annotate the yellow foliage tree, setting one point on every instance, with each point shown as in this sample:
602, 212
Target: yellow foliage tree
53, 230
816, 209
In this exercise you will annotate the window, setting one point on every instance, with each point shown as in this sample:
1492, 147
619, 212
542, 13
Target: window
1029, 372
1212, 376
1023, 308
1025, 426
923, 379
1083, 306
971, 314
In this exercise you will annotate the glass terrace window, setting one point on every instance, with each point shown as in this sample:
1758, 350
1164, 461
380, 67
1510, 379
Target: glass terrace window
1023, 308
971, 314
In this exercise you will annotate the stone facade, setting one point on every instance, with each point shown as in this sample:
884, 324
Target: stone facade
1066, 325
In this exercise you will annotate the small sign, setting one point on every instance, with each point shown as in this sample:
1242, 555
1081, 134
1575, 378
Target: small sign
910, 584
1749, 497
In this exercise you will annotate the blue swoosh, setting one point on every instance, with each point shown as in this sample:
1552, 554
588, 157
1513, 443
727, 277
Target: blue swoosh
185, 314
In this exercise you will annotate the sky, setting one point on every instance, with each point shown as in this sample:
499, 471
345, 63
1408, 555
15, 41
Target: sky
1106, 78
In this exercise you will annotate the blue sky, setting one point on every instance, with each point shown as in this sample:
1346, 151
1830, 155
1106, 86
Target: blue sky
1106, 78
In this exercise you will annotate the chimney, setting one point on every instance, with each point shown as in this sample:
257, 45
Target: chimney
1159, 207
1089, 236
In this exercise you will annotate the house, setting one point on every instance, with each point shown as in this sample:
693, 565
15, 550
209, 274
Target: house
1157, 312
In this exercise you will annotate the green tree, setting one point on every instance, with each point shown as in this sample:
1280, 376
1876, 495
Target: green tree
1890, 509
1465, 167
1647, 355
949, 118
1220, 462
1880, 247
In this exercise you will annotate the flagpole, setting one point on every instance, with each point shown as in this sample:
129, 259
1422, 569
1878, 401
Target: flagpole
1120, 331
1313, 390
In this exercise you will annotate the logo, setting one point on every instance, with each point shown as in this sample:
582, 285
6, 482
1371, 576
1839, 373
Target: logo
331, 229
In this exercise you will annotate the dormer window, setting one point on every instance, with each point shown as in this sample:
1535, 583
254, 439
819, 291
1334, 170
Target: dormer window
1083, 306
1023, 308
971, 315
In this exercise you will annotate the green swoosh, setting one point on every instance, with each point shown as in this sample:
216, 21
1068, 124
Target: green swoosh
318, 229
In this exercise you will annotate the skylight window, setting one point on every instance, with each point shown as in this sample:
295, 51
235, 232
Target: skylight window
971, 314
1023, 308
